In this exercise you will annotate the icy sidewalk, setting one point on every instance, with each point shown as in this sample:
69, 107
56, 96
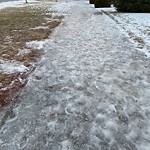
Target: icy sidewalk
91, 90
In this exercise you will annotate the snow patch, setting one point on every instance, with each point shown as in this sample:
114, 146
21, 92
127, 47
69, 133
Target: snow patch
110, 9
40, 27
23, 52
37, 45
12, 67
4, 5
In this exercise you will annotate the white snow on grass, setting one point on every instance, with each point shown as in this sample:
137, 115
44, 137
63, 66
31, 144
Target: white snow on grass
135, 25
109, 9
4, 5
23, 52
37, 45
20, 3
12, 67
39, 27
7, 66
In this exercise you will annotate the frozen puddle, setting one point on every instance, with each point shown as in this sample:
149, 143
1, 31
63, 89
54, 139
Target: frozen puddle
91, 90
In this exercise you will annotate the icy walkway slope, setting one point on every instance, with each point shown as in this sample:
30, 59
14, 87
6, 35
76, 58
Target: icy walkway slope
91, 90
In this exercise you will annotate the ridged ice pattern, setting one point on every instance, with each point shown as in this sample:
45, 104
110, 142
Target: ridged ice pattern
91, 91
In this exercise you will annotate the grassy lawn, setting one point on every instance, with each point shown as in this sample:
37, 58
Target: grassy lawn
18, 26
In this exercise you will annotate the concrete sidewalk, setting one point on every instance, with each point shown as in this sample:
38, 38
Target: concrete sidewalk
90, 91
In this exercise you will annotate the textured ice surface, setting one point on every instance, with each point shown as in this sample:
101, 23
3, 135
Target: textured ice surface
91, 90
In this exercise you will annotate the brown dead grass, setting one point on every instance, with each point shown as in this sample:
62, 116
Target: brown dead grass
17, 26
